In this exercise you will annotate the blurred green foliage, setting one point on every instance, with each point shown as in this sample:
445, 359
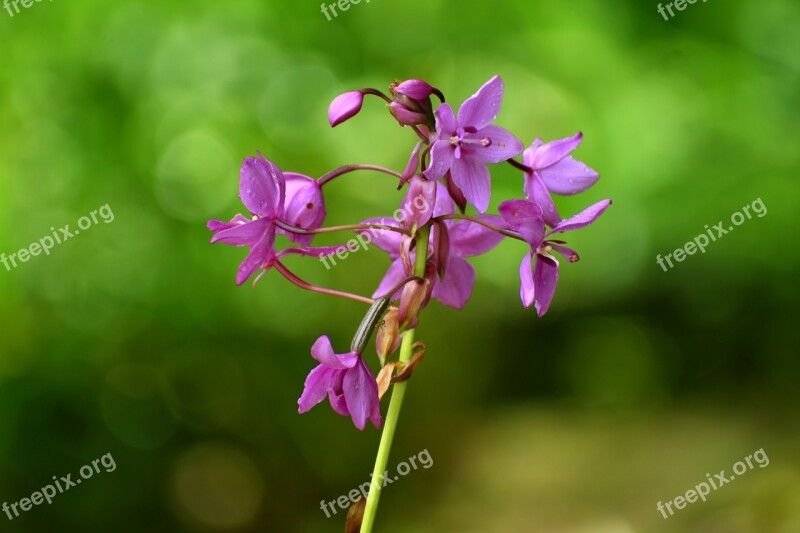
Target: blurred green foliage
132, 338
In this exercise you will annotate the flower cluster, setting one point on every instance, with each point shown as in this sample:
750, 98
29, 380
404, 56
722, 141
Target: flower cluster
448, 171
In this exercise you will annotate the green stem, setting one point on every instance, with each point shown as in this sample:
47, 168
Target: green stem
396, 402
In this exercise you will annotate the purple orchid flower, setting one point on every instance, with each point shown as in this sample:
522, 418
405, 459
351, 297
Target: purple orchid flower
466, 143
269, 195
466, 239
538, 271
347, 382
555, 171
262, 189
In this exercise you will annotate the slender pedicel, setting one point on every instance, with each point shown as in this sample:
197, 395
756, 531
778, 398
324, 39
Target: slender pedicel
332, 229
350, 168
291, 276
376, 92
516, 164
506, 232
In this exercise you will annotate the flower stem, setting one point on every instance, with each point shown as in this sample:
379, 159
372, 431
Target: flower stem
333, 174
396, 402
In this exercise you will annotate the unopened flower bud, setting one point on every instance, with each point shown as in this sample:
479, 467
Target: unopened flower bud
415, 89
388, 338
406, 116
344, 107
414, 297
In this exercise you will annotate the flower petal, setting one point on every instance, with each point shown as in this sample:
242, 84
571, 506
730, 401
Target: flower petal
413, 164
568, 176
525, 218
336, 394
316, 388
480, 109
261, 186
545, 278
468, 239
445, 122
322, 351
220, 225
554, 151
582, 219
473, 178
361, 395
305, 206
526, 290
386, 240
456, 288
393, 276
536, 191
258, 256
442, 157
243, 234
503, 144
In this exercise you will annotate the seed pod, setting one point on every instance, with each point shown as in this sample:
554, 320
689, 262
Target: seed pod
370, 320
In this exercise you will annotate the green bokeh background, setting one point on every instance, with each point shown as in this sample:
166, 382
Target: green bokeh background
132, 339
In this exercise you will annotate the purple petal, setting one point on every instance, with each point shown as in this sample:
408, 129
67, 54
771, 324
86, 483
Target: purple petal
386, 240
258, 256
305, 206
414, 89
442, 157
243, 234
361, 394
261, 186
456, 288
445, 122
536, 191
568, 176
220, 225
322, 351
444, 202
524, 217
468, 239
554, 151
503, 144
582, 219
480, 109
344, 107
413, 164
526, 290
316, 388
545, 278
473, 178
393, 276
336, 394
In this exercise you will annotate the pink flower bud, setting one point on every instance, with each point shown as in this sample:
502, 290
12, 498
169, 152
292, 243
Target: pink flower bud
344, 107
415, 89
